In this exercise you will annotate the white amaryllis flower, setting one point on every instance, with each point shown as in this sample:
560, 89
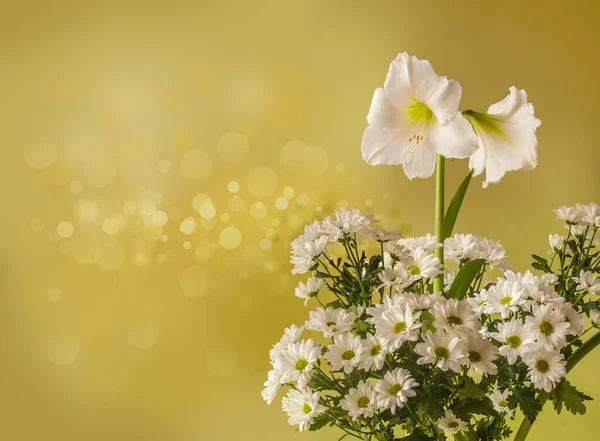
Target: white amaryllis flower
499, 401
330, 321
302, 407
398, 325
445, 350
414, 117
588, 282
395, 388
360, 401
451, 424
345, 353
549, 326
507, 139
375, 349
310, 289
296, 362
546, 368
518, 339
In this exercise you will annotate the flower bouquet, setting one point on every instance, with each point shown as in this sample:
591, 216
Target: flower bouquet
423, 338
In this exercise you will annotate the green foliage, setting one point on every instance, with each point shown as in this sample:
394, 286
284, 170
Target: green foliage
454, 207
528, 403
464, 278
568, 396
321, 421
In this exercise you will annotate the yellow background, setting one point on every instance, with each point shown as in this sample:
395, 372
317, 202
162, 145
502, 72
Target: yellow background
109, 111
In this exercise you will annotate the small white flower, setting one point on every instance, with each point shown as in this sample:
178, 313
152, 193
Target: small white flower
387, 304
425, 265
519, 339
331, 321
459, 247
481, 354
589, 213
296, 362
527, 280
449, 276
305, 251
302, 407
549, 279
576, 320
398, 325
381, 235
310, 289
395, 388
428, 242
360, 401
449, 423
414, 117
272, 386
397, 277
345, 353
587, 281
452, 314
499, 401
570, 215
546, 368
507, 139
595, 317
478, 302
393, 253
374, 350
504, 298
347, 221
548, 326
445, 350
290, 335
421, 302
489, 250
556, 243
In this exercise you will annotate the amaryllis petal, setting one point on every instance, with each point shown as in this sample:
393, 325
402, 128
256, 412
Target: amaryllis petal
455, 139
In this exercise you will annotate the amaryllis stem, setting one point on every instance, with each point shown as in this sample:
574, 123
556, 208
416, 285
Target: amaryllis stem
438, 282
577, 356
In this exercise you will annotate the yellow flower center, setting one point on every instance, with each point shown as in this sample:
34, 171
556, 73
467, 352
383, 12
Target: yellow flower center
363, 402
376, 350
514, 341
546, 328
442, 352
542, 366
306, 408
505, 300
414, 270
453, 425
348, 355
454, 320
301, 365
399, 327
395, 389
474, 356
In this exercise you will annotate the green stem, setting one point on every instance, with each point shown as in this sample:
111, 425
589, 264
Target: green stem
577, 356
438, 283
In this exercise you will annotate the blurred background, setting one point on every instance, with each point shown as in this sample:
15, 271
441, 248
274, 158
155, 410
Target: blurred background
160, 156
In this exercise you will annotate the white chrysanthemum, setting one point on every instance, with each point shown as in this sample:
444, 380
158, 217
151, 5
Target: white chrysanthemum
381, 235
345, 353
272, 385
414, 117
549, 326
374, 350
330, 321
347, 221
445, 350
360, 401
397, 277
570, 215
518, 339
290, 335
527, 280
481, 354
398, 325
499, 401
505, 298
506, 135
556, 243
576, 320
588, 282
589, 213
387, 304
546, 368
549, 279
428, 242
296, 362
449, 276
305, 251
459, 247
310, 289
595, 317
450, 424
395, 388
393, 253
489, 250
452, 314
425, 265
302, 407
545, 295
478, 302
421, 302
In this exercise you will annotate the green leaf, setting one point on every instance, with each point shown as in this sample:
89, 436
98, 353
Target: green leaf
471, 391
528, 404
542, 263
464, 278
454, 207
415, 436
320, 421
572, 399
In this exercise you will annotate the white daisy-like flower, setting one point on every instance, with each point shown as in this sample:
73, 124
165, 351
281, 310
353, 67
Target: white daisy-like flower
549, 279
570, 215
507, 139
445, 350
421, 302
393, 253
330, 321
481, 354
549, 326
302, 407
397, 277
296, 362
518, 339
576, 320
381, 235
425, 265
360, 401
451, 424
499, 401
395, 388
345, 353
546, 368
528, 281
556, 243
478, 302
452, 314
387, 304
398, 325
347, 221
595, 317
290, 335
449, 276
588, 282
489, 250
310, 289
427, 242
545, 295
374, 350
504, 298
589, 213
304, 253
414, 117
272, 386
459, 247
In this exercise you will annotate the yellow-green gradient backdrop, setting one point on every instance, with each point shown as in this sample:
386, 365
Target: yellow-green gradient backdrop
158, 157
